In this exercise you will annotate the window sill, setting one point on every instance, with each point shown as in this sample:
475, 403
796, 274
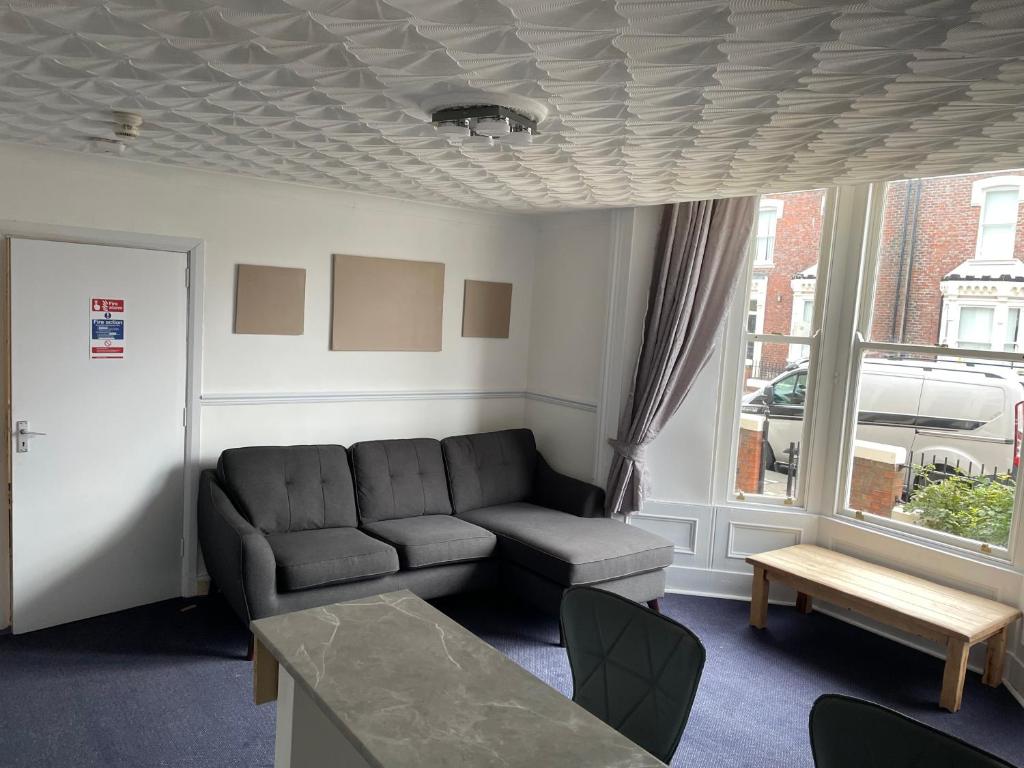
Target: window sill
1001, 561
762, 504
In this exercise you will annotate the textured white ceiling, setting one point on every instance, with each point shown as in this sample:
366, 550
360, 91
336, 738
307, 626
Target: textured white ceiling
649, 100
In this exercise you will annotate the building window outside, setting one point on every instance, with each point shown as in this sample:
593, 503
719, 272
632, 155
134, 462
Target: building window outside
767, 224
998, 224
752, 311
755, 321
999, 198
1013, 316
975, 328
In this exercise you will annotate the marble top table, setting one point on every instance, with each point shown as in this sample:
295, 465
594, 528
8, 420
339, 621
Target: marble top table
390, 681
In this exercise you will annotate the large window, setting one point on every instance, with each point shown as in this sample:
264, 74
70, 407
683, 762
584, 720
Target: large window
914, 425
935, 423
778, 343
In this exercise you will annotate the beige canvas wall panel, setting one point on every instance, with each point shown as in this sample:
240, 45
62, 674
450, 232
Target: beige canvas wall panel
386, 305
270, 300
486, 309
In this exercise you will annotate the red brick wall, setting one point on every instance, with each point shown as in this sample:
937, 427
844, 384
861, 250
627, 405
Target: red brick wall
748, 460
875, 487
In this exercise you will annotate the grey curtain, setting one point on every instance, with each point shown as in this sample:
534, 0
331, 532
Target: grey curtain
701, 250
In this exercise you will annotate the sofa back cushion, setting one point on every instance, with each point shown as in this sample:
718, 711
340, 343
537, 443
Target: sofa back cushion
290, 488
490, 468
400, 478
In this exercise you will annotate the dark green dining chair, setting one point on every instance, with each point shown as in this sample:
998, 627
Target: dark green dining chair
635, 669
853, 733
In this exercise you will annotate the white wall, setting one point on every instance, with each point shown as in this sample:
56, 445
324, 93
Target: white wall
567, 336
243, 220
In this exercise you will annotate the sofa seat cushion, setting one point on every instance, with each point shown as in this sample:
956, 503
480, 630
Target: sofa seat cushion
434, 539
316, 558
568, 549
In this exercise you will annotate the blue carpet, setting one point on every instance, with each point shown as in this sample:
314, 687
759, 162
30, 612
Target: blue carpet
164, 685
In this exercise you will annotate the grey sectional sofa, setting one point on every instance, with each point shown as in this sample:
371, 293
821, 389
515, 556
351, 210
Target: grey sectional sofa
286, 528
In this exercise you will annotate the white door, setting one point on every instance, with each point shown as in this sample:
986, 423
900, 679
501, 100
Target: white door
97, 500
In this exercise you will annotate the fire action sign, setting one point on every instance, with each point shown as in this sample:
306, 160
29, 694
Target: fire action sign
106, 332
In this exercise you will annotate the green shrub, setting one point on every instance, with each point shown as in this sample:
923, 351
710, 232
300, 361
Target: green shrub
974, 508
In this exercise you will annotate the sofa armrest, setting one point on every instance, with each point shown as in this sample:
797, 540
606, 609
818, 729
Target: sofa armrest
237, 555
566, 494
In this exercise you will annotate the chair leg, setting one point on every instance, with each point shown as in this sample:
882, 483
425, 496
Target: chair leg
250, 654
654, 605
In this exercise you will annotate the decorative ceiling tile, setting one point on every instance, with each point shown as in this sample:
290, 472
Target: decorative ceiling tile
647, 101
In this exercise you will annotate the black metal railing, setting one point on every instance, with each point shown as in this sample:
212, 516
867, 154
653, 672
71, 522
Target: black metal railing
766, 370
934, 469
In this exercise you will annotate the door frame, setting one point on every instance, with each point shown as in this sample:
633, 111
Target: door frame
193, 248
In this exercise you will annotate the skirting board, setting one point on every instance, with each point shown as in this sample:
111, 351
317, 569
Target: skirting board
736, 586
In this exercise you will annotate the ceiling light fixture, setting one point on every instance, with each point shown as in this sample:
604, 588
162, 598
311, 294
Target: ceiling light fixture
482, 124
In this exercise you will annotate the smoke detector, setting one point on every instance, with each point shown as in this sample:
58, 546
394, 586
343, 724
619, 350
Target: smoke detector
127, 125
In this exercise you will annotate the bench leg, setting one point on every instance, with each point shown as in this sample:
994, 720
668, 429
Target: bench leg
803, 602
994, 658
953, 675
759, 598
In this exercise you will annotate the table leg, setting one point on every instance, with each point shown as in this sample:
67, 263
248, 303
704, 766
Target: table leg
759, 598
803, 602
306, 737
264, 675
954, 674
994, 658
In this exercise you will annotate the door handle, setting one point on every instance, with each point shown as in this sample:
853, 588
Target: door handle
24, 435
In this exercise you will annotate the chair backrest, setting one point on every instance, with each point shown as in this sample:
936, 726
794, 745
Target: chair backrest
290, 488
852, 733
633, 668
490, 468
399, 478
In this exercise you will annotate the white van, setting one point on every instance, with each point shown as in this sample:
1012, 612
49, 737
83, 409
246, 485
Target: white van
957, 416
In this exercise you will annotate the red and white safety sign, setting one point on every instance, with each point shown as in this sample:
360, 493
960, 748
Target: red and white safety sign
106, 329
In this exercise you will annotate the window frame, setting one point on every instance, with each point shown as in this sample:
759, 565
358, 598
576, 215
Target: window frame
862, 292
991, 308
979, 199
732, 371
775, 207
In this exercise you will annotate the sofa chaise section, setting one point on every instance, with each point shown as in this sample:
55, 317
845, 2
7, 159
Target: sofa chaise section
548, 537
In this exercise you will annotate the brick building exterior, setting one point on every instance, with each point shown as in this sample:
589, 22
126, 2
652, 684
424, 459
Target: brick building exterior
930, 228
795, 235
939, 280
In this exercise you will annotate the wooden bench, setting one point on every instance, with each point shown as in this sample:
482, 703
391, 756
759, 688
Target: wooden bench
949, 616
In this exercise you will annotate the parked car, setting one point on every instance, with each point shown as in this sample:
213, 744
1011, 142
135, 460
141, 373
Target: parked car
960, 416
